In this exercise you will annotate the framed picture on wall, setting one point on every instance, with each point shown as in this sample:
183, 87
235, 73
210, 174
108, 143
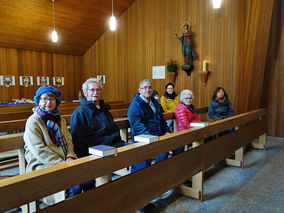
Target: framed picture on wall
7, 80
101, 79
158, 72
58, 81
42, 80
26, 81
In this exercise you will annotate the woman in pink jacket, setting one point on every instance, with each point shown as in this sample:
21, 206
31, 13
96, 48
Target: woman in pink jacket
185, 112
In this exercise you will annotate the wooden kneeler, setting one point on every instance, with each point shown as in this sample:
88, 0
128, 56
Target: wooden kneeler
196, 191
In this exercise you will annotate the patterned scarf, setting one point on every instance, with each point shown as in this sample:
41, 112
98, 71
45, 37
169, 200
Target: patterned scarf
221, 100
190, 107
52, 122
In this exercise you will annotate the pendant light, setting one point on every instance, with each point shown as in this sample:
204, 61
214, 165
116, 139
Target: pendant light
54, 36
112, 21
216, 4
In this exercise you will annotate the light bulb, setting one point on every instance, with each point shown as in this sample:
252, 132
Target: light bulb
216, 4
54, 36
112, 23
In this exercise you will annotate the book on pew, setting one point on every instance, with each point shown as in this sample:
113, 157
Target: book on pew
199, 124
146, 138
102, 150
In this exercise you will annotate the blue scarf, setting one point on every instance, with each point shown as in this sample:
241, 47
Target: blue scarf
52, 121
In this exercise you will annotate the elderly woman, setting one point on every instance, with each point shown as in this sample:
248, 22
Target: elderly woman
185, 112
47, 139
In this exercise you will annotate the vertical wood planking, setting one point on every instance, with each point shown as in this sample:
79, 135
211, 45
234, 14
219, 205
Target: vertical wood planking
252, 49
33, 63
145, 38
273, 84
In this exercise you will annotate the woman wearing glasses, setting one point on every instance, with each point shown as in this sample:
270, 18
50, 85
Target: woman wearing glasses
170, 100
47, 139
185, 112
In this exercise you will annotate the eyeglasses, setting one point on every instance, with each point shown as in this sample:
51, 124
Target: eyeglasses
45, 100
95, 90
145, 88
188, 98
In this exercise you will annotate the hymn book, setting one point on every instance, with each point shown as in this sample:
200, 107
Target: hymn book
102, 150
199, 124
146, 138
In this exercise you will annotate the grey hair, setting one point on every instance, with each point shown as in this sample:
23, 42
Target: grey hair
186, 92
144, 81
87, 82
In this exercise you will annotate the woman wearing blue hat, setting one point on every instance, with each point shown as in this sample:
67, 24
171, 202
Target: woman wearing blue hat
47, 139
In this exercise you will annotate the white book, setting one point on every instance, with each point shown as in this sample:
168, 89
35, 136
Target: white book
146, 138
199, 124
102, 150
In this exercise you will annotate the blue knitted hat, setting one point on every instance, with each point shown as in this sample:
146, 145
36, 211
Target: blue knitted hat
51, 89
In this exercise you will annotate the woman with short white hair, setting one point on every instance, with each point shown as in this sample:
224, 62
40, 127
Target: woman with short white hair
185, 112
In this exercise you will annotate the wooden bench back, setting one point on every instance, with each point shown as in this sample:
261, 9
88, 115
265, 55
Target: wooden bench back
17, 112
19, 124
133, 191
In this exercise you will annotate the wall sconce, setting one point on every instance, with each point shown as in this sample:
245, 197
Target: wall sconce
204, 74
216, 4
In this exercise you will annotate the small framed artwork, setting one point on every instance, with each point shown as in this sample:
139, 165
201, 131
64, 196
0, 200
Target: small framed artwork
7, 80
158, 72
101, 79
42, 80
26, 81
58, 81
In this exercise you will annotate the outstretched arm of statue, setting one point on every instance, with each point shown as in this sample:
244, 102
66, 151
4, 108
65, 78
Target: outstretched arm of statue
177, 35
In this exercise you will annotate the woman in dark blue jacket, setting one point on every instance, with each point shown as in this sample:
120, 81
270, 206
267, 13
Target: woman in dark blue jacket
220, 107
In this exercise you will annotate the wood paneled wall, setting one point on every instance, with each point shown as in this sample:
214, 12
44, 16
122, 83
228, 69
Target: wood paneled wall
254, 27
33, 63
145, 38
273, 87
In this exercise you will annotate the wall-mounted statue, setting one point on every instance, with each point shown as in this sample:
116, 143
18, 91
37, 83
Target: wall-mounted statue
187, 51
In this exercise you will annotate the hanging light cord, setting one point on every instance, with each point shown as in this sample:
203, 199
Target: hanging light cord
53, 14
112, 8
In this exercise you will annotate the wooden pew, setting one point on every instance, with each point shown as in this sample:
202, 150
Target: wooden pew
19, 124
133, 191
17, 112
15, 125
123, 125
28, 107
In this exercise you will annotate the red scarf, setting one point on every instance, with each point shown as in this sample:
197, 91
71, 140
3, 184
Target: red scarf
221, 100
